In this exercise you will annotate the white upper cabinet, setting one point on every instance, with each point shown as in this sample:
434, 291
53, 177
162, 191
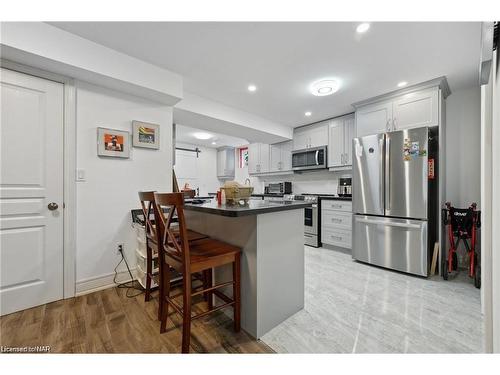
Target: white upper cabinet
349, 124
253, 158
318, 136
416, 109
258, 158
274, 157
413, 107
373, 119
340, 134
311, 136
300, 140
280, 159
264, 158
336, 143
286, 156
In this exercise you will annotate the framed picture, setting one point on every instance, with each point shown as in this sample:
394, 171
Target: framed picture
145, 135
113, 143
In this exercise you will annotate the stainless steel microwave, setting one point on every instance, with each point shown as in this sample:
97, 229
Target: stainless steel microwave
309, 158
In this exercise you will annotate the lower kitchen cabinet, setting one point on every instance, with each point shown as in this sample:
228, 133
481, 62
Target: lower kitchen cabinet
336, 222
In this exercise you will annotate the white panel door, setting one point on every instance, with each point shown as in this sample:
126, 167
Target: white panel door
336, 143
31, 235
374, 119
416, 109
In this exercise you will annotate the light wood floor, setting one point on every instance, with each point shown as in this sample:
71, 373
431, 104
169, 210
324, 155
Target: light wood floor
109, 322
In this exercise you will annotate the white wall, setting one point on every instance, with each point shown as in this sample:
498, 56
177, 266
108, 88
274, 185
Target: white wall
463, 147
105, 199
199, 172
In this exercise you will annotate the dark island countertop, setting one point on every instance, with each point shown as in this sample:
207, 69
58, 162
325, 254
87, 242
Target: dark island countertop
254, 207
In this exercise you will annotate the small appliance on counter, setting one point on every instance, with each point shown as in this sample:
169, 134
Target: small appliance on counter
279, 188
345, 187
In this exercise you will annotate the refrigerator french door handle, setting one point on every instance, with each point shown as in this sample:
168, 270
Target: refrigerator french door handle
387, 173
316, 157
381, 174
388, 223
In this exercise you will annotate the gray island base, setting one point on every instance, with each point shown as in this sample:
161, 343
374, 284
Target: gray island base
271, 235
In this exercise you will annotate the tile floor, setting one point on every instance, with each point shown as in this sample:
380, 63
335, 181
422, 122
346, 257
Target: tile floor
352, 307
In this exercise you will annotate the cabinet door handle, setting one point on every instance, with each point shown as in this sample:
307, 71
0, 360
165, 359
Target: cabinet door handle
336, 220
388, 126
394, 123
336, 237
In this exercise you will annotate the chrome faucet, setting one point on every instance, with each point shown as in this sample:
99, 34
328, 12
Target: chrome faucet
248, 182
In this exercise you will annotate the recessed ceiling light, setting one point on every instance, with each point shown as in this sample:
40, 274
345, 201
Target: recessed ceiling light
202, 135
214, 143
252, 88
324, 87
308, 114
363, 27
402, 84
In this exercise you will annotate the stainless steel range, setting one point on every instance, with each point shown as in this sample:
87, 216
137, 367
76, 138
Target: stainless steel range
311, 218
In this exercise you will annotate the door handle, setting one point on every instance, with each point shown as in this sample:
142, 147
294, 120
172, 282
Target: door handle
388, 173
52, 206
388, 125
316, 157
388, 223
394, 123
381, 175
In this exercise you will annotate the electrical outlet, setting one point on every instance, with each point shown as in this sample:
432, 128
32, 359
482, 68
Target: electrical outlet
119, 248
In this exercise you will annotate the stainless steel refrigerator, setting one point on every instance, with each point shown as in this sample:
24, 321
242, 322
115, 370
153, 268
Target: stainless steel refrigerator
395, 199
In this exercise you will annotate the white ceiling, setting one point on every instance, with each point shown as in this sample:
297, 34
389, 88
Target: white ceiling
185, 134
219, 60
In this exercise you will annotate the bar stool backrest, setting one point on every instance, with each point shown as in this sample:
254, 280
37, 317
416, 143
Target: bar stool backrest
174, 245
147, 202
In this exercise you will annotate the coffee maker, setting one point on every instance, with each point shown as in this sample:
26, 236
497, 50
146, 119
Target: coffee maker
345, 187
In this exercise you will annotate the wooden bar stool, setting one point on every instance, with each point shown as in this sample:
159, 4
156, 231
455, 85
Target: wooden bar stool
189, 258
147, 203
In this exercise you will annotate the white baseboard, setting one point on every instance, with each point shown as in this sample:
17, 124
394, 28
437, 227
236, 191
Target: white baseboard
102, 282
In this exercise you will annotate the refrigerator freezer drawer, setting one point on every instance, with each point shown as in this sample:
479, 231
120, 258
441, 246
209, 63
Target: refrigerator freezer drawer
398, 244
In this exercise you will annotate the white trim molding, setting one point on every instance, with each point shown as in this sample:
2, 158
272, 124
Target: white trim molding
94, 284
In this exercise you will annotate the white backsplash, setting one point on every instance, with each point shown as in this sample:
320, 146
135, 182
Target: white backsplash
321, 182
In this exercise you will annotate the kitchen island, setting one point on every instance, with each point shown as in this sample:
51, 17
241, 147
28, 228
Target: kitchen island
271, 235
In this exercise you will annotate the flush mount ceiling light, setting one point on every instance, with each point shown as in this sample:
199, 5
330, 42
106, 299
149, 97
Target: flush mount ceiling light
402, 84
252, 88
202, 135
307, 114
214, 143
324, 87
363, 27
